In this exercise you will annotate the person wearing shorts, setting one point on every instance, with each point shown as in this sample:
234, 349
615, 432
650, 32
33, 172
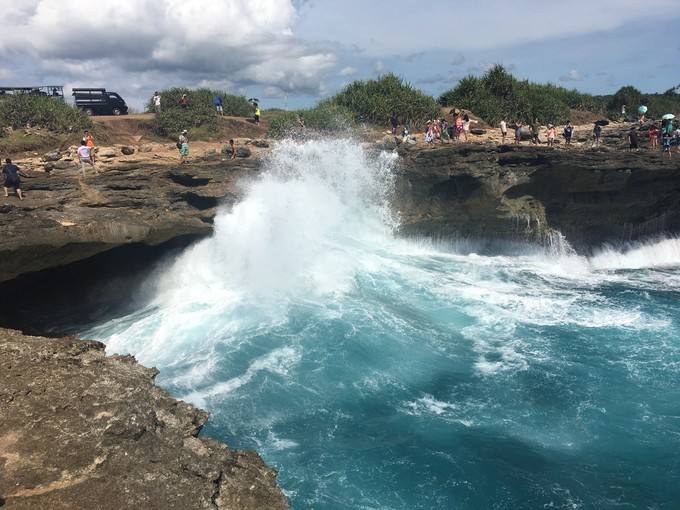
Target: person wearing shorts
504, 130
217, 103
12, 175
568, 132
183, 146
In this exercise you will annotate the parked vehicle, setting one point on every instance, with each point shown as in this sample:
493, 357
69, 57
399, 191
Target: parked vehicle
99, 102
54, 91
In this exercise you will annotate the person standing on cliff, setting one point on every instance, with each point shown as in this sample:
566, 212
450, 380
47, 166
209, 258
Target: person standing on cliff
183, 146
89, 141
85, 157
504, 130
156, 100
633, 140
518, 132
550, 133
597, 133
394, 122
12, 175
184, 101
256, 116
568, 132
534, 132
653, 135
217, 103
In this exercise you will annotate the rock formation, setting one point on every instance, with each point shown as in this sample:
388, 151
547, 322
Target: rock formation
80, 430
526, 193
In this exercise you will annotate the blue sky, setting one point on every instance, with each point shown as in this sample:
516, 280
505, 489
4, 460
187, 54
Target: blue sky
295, 52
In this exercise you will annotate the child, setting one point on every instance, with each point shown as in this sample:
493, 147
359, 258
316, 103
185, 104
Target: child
667, 145
653, 135
550, 132
85, 156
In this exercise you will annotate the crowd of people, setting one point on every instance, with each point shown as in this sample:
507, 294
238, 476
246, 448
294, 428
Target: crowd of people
441, 130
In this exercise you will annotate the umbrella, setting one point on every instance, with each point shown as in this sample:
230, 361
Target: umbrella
603, 122
668, 116
642, 110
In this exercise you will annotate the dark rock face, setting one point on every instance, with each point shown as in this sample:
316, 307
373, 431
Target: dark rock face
80, 430
525, 193
65, 218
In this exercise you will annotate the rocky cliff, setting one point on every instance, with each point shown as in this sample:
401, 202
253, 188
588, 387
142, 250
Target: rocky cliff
526, 193
80, 430
65, 218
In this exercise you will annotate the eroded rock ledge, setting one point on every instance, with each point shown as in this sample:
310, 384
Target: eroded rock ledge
82, 430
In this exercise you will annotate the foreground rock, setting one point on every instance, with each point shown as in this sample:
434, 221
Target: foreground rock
80, 430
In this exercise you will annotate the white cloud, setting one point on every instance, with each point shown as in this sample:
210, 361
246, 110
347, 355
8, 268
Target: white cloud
572, 75
178, 42
348, 71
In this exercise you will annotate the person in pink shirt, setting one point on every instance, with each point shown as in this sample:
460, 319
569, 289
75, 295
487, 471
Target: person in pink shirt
550, 133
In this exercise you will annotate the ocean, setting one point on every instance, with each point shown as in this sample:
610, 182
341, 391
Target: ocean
377, 372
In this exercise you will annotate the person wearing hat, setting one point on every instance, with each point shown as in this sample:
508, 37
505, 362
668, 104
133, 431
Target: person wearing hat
550, 133
183, 146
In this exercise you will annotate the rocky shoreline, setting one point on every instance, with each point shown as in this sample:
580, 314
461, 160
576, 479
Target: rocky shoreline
82, 430
78, 427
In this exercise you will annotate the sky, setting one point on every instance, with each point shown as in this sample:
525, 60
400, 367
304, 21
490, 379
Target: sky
292, 53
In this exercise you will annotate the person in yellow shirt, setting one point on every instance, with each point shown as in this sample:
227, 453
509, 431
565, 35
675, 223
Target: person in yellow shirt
257, 114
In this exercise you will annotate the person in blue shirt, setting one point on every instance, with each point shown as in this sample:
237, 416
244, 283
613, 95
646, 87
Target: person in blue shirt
12, 175
217, 103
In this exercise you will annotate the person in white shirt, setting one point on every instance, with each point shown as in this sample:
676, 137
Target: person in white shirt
85, 156
504, 130
157, 102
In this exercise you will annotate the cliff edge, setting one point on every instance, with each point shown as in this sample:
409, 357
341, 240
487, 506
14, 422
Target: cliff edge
82, 430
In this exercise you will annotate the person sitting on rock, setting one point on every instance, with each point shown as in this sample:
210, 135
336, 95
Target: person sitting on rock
12, 175
85, 156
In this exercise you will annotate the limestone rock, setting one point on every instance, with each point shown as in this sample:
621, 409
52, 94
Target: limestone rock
243, 152
52, 156
262, 144
80, 430
127, 150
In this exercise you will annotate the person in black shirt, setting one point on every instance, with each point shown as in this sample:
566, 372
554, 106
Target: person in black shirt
633, 140
12, 175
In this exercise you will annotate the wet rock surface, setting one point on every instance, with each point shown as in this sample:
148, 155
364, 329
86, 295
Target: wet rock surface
80, 430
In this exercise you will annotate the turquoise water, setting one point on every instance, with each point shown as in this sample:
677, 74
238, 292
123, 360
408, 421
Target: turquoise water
376, 372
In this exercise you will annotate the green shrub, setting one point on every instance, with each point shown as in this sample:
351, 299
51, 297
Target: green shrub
498, 94
18, 110
326, 117
199, 113
376, 101
284, 125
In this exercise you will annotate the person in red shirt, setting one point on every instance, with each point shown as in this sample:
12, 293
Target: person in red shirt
653, 135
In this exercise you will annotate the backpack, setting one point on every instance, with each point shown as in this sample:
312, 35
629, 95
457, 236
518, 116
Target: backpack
179, 145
